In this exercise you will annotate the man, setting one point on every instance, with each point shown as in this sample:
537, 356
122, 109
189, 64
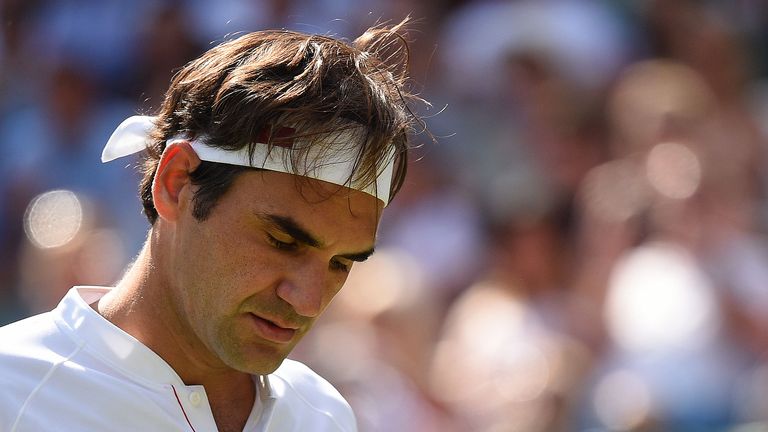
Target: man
266, 172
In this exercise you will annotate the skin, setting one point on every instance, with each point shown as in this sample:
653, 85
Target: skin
230, 296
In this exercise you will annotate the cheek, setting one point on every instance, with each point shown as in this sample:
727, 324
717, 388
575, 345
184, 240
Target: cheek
210, 272
243, 271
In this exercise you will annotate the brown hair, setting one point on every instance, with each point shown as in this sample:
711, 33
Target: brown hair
264, 80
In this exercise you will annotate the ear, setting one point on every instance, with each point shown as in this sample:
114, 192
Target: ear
171, 188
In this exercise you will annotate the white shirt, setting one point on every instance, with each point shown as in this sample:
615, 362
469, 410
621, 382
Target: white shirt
72, 370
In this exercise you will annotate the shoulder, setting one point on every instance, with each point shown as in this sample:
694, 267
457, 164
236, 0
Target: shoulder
304, 390
29, 351
34, 337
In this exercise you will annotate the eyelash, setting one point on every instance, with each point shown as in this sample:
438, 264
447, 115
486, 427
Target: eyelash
336, 265
280, 245
290, 247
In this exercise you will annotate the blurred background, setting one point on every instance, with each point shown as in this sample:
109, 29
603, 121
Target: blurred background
583, 249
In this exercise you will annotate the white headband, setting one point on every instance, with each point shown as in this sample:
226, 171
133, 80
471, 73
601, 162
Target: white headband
336, 166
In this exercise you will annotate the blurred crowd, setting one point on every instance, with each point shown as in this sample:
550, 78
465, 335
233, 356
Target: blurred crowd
583, 248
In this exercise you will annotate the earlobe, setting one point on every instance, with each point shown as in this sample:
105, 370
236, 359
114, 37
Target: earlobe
171, 186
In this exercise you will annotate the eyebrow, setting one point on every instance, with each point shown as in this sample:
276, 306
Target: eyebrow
289, 226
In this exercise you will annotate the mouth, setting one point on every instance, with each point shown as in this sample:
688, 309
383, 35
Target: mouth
271, 331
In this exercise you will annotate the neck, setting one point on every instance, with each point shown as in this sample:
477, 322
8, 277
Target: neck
142, 304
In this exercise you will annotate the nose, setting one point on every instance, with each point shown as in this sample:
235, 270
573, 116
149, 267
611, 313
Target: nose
305, 291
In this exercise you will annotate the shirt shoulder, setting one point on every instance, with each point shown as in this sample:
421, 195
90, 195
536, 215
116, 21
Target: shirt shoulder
29, 351
311, 398
36, 337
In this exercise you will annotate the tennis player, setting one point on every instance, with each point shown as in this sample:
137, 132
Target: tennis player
266, 171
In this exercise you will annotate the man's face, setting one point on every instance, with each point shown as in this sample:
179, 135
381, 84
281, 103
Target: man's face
250, 280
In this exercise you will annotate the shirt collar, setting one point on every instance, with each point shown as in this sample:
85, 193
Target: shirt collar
111, 344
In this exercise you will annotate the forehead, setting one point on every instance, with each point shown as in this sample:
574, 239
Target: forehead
327, 209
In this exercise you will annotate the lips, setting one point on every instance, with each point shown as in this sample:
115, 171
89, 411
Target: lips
271, 331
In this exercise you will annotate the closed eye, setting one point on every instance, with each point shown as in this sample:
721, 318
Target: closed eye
340, 266
281, 245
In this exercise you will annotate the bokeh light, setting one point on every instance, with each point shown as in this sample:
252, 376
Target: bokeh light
658, 298
622, 401
53, 219
673, 170
615, 192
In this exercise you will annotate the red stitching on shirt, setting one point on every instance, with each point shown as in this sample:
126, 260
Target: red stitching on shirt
182, 408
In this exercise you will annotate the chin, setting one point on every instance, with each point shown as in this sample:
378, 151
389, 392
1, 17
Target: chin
262, 368
256, 364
